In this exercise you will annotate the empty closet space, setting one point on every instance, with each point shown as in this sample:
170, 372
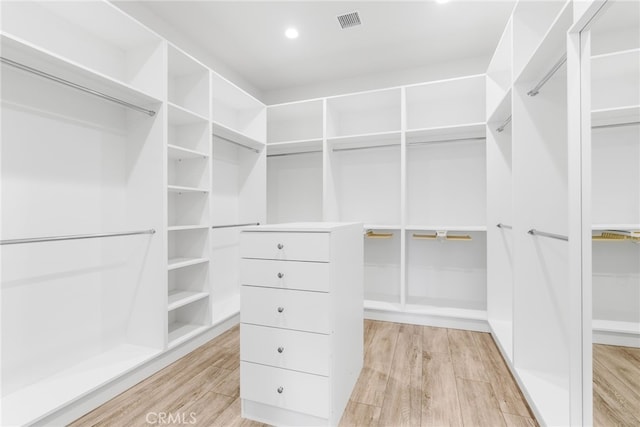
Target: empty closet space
615, 212
82, 145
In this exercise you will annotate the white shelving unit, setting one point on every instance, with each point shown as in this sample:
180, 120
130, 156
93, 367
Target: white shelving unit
238, 186
188, 185
383, 159
615, 180
84, 166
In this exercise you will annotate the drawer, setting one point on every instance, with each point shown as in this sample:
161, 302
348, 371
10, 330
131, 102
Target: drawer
312, 276
285, 246
284, 308
295, 391
282, 348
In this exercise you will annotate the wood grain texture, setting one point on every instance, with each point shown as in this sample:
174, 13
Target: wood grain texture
440, 405
504, 386
402, 402
465, 356
478, 404
616, 386
409, 378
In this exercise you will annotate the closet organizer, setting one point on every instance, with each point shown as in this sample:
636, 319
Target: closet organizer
128, 168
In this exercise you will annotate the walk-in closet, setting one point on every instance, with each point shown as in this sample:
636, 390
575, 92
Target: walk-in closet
376, 213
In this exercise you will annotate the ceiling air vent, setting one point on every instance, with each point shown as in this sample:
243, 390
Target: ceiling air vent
349, 20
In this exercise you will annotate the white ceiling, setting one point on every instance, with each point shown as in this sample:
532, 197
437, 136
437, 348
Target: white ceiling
248, 36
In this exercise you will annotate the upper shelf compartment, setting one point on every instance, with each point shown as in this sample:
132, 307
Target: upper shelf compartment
188, 83
499, 72
236, 115
364, 113
296, 121
92, 35
535, 22
615, 82
446, 103
26, 58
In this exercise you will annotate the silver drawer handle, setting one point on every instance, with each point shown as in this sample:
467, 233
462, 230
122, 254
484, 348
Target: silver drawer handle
280, 275
280, 246
280, 309
280, 389
280, 349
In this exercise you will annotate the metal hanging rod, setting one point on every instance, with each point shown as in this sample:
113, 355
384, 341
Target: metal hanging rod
615, 125
230, 141
441, 236
504, 125
444, 141
370, 234
372, 147
535, 232
76, 86
74, 237
235, 225
501, 225
545, 79
294, 154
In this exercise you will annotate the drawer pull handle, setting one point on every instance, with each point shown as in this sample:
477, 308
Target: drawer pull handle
280, 309
280, 389
280, 246
280, 349
280, 275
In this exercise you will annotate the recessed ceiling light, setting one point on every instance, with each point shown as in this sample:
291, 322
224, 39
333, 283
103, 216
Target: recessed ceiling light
291, 33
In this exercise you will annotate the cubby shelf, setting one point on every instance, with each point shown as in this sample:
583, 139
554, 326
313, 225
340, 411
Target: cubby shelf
365, 140
23, 52
446, 133
180, 332
179, 115
615, 115
301, 146
57, 391
180, 298
179, 153
182, 189
186, 227
175, 263
232, 135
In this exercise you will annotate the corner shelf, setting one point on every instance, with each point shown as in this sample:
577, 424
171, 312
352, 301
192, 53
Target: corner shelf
181, 189
290, 147
232, 135
179, 153
445, 133
365, 140
179, 115
186, 227
175, 263
180, 298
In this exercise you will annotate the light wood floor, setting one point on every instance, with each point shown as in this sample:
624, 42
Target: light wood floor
616, 386
412, 376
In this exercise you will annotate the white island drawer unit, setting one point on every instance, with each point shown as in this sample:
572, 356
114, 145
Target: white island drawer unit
301, 332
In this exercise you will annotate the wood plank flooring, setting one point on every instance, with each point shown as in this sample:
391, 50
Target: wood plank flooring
412, 376
616, 386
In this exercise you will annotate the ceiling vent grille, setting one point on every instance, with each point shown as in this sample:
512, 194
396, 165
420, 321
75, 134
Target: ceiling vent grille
349, 20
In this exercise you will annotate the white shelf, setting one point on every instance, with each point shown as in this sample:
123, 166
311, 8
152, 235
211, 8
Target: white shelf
551, 47
179, 298
229, 134
27, 54
616, 326
501, 112
618, 115
44, 397
445, 133
300, 146
226, 307
381, 227
622, 227
550, 393
446, 228
379, 305
175, 263
179, 116
179, 153
458, 313
181, 189
187, 227
365, 140
181, 332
